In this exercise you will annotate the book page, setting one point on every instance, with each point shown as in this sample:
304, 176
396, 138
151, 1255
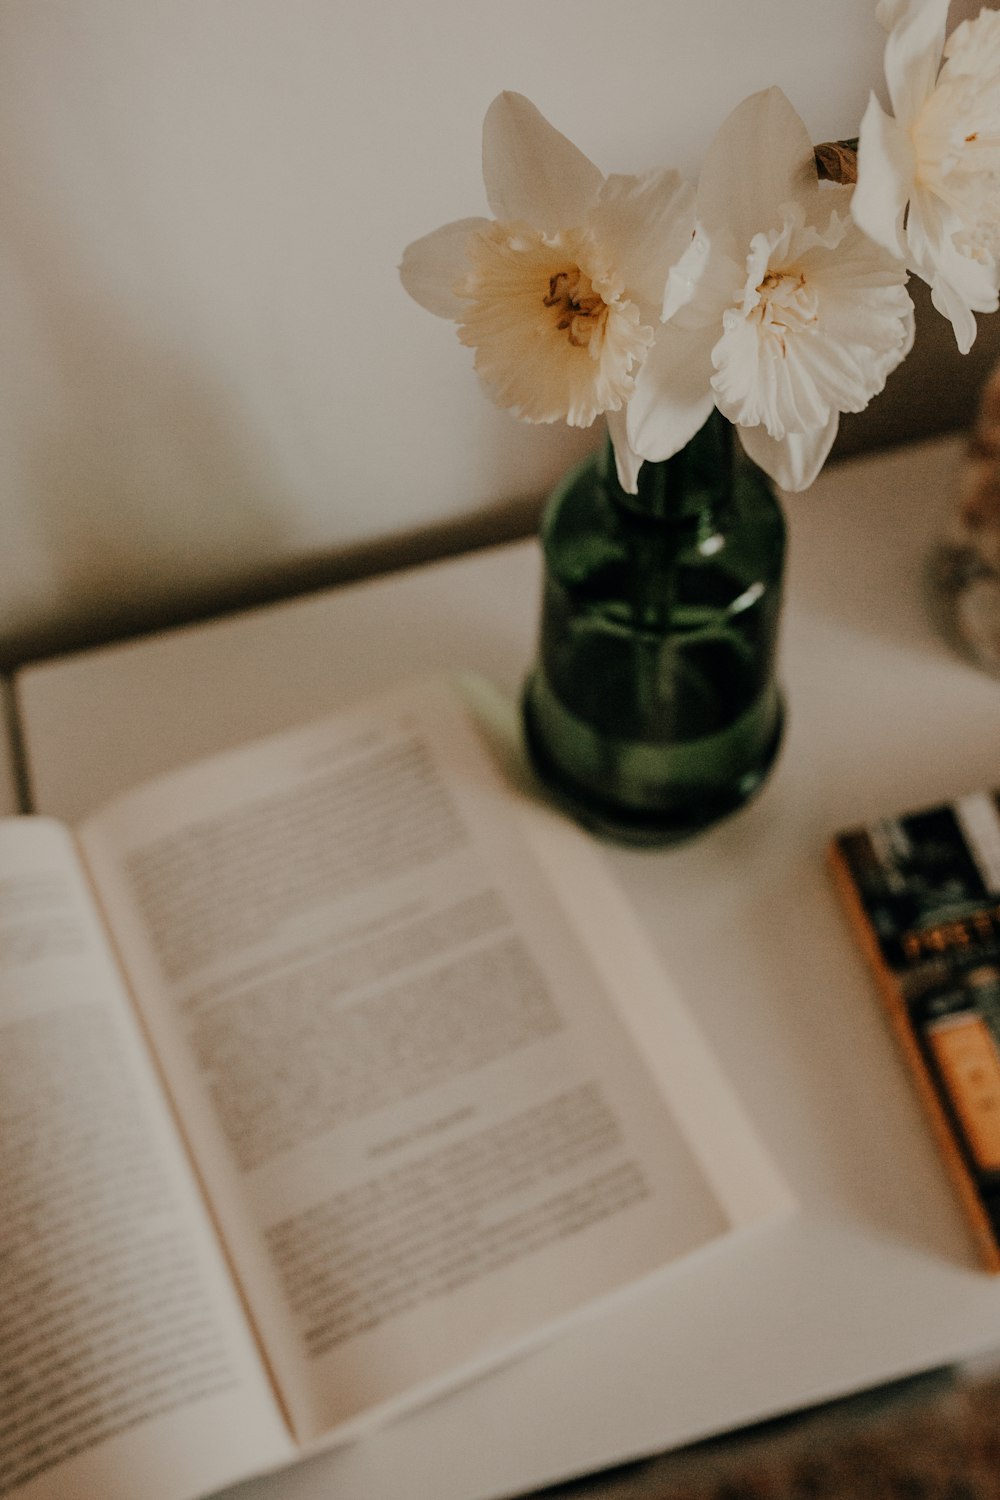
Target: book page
126, 1363
424, 1125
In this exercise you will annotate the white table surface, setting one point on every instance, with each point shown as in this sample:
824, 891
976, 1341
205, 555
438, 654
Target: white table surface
876, 1276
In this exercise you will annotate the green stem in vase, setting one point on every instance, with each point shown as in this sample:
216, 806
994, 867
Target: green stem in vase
654, 697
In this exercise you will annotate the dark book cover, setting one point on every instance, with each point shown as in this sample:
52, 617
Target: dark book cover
923, 893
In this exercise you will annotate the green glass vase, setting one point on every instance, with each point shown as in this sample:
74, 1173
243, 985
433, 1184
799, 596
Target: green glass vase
653, 709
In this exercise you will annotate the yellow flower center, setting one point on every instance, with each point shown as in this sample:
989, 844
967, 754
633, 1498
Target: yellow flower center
787, 305
580, 311
554, 341
821, 319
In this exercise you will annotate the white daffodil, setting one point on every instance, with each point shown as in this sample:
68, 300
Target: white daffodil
780, 312
560, 293
929, 179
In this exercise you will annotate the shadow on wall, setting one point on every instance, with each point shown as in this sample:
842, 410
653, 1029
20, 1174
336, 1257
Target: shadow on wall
123, 568
127, 417
145, 417
132, 434
134, 418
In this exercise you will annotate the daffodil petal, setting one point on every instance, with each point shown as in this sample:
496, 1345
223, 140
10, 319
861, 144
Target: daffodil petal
644, 224
913, 54
531, 171
959, 285
549, 345
672, 397
974, 282
886, 169
950, 305
432, 266
761, 158
823, 319
973, 49
794, 462
627, 461
685, 275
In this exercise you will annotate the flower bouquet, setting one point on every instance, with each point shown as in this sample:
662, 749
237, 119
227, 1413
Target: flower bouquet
768, 299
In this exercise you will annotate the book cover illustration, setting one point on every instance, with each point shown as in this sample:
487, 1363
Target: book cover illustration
924, 892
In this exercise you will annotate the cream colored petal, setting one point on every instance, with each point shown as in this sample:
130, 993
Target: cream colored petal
973, 280
754, 384
531, 171
913, 54
673, 396
973, 49
794, 462
761, 158
686, 275
817, 342
950, 305
643, 224
959, 285
627, 461
886, 169
432, 266
536, 356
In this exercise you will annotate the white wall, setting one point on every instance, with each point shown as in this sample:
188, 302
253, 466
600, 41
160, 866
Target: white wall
208, 370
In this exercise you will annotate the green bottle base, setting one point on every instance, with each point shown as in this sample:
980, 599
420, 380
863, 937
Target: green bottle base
689, 808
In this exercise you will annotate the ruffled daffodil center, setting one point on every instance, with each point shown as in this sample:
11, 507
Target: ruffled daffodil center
793, 353
781, 305
580, 311
556, 337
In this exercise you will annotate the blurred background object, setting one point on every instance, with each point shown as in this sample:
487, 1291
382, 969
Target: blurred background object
964, 575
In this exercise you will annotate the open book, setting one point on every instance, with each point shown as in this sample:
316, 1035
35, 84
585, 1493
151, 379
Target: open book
333, 1071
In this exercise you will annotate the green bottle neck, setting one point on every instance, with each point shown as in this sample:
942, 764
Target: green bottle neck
693, 486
